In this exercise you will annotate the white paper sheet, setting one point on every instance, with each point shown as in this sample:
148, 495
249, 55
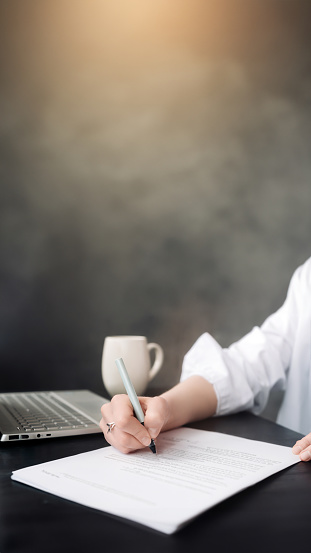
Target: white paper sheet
192, 471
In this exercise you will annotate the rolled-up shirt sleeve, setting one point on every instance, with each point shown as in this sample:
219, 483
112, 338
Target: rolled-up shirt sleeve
244, 374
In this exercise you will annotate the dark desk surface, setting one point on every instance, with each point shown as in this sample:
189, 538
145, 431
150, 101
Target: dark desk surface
272, 515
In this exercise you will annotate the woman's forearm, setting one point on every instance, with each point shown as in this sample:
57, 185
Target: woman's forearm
190, 400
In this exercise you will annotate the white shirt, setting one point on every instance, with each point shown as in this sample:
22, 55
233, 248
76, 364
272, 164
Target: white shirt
276, 355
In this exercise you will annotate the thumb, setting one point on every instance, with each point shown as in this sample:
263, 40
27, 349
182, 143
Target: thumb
156, 414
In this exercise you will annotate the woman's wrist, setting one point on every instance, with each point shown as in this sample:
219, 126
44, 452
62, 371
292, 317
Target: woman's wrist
190, 400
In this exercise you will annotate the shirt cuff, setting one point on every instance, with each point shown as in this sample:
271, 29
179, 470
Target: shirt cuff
205, 359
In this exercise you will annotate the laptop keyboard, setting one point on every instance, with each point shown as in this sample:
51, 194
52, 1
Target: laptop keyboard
41, 411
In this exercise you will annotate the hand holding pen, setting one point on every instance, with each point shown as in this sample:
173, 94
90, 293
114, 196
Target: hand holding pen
130, 390
130, 423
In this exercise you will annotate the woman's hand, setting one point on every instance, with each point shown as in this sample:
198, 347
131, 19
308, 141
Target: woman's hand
188, 401
128, 434
303, 448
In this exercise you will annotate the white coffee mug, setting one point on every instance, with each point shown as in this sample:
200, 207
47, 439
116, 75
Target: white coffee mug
135, 352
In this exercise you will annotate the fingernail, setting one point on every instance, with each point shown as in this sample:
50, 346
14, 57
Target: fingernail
305, 456
153, 432
145, 440
296, 449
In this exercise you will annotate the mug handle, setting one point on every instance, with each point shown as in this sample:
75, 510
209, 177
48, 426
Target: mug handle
159, 356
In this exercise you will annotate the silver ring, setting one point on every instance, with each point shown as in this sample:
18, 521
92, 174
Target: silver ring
111, 426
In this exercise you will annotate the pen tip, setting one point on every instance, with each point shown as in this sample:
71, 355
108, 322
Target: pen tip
152, 446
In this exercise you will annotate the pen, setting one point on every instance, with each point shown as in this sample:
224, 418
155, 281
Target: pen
130, 390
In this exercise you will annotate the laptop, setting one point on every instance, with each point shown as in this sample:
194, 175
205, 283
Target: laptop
52, 414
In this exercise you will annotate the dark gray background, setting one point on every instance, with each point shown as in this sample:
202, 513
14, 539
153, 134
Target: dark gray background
155, 176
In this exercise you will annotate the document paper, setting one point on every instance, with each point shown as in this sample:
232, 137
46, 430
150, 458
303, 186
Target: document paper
192, 471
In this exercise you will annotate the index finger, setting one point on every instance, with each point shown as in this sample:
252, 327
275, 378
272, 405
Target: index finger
125, 420
302, 444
